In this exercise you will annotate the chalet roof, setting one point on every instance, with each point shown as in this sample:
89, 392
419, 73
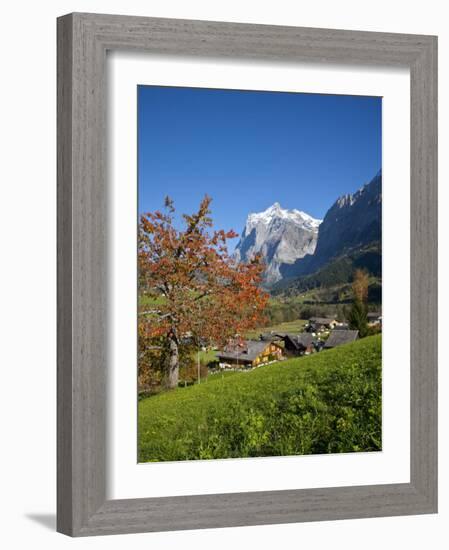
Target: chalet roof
301, 340
270, 336
305, 339
248, 350
374, 315
342, 326
321, 320
339, 337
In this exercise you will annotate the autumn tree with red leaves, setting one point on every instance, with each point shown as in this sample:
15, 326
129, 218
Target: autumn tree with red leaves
198, 291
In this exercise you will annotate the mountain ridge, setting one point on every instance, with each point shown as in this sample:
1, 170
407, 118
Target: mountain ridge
280, 235
349, 238
295, 245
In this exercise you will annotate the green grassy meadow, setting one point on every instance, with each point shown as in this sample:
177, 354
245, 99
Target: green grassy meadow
329, 402
290, 326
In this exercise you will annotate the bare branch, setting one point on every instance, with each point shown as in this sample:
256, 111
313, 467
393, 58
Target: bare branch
156, 312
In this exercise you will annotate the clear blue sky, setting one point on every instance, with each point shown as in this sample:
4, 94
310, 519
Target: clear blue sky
248, 150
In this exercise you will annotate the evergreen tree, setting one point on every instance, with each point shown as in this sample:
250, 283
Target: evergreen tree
358, 318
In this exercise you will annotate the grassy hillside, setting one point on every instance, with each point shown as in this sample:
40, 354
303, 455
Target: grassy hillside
325, 403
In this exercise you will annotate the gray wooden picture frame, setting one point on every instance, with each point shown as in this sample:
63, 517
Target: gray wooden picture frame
83, 40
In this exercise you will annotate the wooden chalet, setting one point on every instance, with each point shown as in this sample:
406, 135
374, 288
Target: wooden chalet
318, 324
271, 336
299, 344
249, 354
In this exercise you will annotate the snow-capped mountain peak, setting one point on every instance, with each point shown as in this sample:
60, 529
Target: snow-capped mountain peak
282, 236
275, 211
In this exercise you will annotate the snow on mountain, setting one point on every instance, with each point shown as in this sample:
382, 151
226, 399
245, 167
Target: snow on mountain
276, 211
282, 236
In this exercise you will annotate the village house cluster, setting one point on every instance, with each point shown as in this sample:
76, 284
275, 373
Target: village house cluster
320, 333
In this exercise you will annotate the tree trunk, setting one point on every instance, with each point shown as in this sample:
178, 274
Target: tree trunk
172, 368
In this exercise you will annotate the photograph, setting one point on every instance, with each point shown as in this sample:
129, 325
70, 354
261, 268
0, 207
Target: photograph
214, 207
259, 261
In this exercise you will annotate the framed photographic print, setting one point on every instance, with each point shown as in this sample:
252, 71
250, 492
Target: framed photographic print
246, 274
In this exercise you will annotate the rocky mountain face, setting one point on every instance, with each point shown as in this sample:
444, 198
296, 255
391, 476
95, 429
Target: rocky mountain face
282, 237
351, 223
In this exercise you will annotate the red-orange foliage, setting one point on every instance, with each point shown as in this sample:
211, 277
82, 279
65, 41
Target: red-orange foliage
360, 285
200, 291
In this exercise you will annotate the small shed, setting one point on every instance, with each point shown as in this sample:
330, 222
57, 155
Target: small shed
374, 318
340, 337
